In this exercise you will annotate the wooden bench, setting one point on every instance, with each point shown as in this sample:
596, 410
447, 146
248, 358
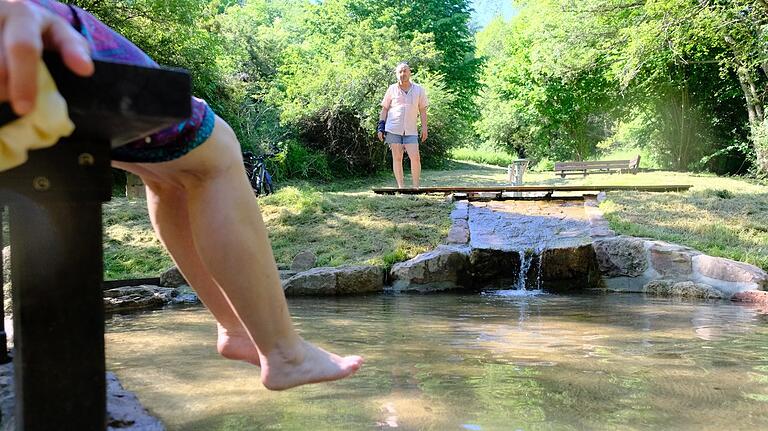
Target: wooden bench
54, 202
597, 167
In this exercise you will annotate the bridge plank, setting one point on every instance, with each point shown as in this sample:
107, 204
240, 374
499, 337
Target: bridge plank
538, 188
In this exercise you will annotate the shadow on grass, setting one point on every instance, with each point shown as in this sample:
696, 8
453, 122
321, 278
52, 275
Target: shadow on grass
730, 225
354, 228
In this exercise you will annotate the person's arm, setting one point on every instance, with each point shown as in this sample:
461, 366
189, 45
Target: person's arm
383, 115
25, 30
382, 118
423, 115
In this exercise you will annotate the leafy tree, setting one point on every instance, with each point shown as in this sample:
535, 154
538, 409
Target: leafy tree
331, 83
569, 69
448, 21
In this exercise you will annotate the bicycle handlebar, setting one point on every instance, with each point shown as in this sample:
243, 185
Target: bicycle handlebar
250, 156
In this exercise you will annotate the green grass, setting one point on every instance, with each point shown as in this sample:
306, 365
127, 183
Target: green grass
353, 227
646, 158
131, 249
484, 154
345, 223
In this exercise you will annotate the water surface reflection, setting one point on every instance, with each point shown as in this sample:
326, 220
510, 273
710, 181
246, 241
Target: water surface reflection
479, 362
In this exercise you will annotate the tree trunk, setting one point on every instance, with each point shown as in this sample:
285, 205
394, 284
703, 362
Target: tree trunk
756, 120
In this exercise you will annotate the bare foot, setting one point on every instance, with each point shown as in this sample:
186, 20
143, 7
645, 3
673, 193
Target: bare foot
237, 345
286, 368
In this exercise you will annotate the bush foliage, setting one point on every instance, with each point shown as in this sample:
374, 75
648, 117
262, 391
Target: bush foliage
684, 81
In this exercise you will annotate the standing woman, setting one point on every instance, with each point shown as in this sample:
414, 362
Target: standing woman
402, 104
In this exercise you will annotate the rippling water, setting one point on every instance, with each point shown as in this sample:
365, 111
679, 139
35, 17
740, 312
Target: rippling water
474, 362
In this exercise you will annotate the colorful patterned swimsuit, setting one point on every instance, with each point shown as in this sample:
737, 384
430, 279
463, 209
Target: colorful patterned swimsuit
167, 144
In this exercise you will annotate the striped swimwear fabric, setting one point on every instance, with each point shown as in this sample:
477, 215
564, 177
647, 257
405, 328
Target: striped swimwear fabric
107, 45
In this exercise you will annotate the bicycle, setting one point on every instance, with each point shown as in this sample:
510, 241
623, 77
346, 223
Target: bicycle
256, 170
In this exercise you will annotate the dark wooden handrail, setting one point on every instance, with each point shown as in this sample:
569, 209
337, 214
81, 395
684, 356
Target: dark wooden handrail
54, 201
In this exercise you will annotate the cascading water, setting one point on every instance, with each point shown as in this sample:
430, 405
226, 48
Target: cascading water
526, 258
538, 271
520, 287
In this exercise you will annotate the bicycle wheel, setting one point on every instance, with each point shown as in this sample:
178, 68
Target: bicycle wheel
255, 179
267, 185
261, 184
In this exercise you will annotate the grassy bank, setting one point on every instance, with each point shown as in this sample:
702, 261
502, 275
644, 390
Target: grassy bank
344, 223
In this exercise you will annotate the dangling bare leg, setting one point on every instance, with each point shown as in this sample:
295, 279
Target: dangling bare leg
168, 211
231, 240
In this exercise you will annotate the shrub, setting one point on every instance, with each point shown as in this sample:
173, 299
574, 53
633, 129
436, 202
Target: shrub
298, 161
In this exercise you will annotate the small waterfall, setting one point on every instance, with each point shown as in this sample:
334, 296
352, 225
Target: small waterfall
538, 271
520, 288
526, 259
525, 263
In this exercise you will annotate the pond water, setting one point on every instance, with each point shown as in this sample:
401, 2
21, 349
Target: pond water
490, 361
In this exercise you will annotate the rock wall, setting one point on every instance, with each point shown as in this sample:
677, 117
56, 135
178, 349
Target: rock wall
629, 264
568, 249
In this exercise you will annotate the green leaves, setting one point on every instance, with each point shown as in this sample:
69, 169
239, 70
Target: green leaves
563, 76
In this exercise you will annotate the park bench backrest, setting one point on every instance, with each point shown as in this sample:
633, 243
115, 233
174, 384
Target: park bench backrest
629, 165
54, 201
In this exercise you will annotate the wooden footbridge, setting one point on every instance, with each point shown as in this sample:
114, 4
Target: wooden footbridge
537, 192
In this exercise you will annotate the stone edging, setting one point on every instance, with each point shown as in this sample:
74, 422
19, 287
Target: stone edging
630, 264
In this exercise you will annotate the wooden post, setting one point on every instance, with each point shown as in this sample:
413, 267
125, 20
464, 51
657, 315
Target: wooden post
134, 187
56, 231
58, 311
59, 363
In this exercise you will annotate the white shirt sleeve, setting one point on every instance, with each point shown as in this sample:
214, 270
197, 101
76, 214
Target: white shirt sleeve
387, 101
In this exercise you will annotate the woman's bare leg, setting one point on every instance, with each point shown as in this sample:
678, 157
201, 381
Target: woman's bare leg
231, 241
168, 211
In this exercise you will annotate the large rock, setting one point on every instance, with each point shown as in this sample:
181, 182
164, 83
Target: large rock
137, 297
671, 260
172, 278
343, 280
124, 411
303, 261
682, 289
491, 265
630, 264
359, 279
440, 269
459, 233
759, 297
621, 256
729, 275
